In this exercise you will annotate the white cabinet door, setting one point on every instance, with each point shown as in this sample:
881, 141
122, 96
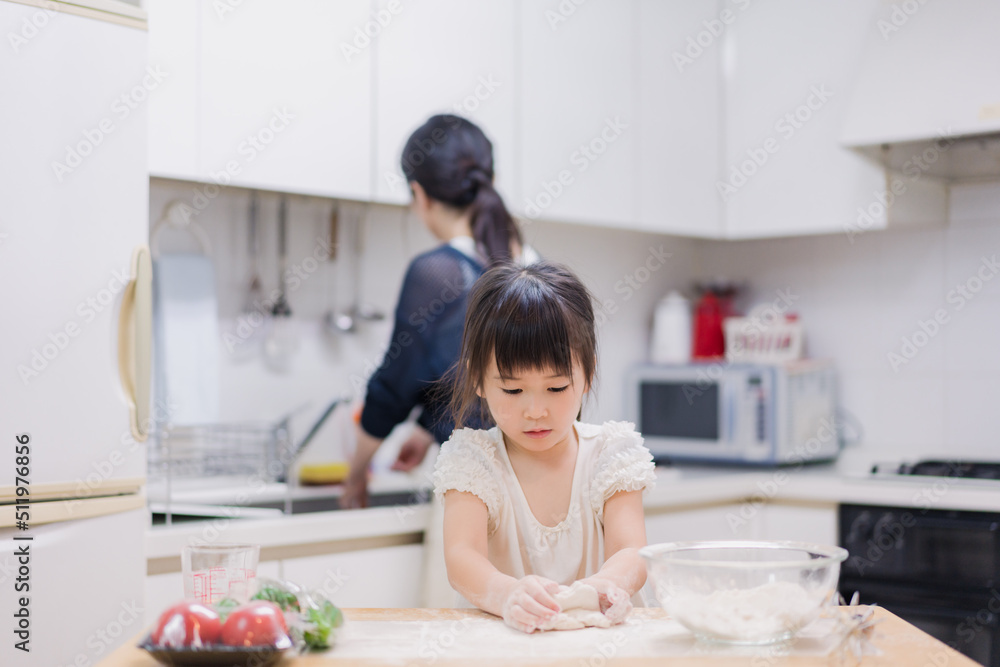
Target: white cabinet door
679, 115
86, 588
283, 104
734, 521
789, 68
576, 106
802, 523
382, 577
173, 105
74, 207
895, 100
444, 56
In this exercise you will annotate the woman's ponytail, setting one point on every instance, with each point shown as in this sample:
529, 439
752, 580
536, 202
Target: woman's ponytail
493, 227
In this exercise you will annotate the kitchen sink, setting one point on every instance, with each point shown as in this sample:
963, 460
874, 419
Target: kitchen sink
275, 507
331, 503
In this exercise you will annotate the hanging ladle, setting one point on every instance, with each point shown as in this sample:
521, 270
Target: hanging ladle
346, 321
281, 343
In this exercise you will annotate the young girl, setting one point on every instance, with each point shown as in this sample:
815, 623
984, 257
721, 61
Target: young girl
540, 500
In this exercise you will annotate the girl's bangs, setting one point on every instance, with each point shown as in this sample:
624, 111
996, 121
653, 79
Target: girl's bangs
532, 334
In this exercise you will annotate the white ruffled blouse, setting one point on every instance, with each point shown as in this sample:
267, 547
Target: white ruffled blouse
611, 458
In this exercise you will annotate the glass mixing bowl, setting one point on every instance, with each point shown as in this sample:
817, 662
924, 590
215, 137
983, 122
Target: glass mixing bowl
743, 592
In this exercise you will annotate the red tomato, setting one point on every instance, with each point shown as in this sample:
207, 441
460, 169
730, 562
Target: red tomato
187, 623
257, 623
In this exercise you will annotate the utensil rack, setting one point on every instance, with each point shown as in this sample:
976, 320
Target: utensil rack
250, 450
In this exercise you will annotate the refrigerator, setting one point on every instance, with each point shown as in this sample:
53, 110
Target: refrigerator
75, 279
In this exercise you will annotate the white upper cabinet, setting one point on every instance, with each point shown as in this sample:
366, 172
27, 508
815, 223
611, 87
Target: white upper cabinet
788, 70
444, 56
577, 111
679, 118
285, 96
706, 118
173, 105
931, 69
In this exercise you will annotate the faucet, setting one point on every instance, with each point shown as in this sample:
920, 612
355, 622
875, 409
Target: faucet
288, 458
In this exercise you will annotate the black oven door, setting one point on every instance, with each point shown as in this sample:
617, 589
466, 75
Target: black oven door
937, 569
968, 623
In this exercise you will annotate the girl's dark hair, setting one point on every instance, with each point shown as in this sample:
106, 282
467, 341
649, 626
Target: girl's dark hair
452, 160
536, 317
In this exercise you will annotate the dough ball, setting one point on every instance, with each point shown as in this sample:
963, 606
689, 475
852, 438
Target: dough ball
581, 608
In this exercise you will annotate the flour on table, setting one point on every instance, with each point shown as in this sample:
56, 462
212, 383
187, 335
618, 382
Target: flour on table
581, 608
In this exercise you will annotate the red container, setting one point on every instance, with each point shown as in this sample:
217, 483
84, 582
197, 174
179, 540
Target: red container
708, 340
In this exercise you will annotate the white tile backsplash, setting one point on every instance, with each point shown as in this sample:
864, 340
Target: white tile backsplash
971, 272
857, 301
972, 202
326, 365
972, 344
973, 419
911, 414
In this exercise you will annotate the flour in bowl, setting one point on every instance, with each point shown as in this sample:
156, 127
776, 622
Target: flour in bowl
752, 614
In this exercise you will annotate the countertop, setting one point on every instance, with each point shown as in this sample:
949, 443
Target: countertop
818, 483
373, 637
676, 488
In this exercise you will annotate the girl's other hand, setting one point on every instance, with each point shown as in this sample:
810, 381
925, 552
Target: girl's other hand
530, 602
615, 602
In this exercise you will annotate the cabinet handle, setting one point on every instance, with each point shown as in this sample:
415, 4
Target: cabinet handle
135, 333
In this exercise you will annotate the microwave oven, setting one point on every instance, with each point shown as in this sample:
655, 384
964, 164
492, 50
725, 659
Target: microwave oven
751, 414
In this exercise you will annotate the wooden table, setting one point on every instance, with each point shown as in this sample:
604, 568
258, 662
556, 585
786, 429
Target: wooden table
445, 637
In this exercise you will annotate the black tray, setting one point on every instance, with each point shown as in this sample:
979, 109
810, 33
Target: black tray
215, 656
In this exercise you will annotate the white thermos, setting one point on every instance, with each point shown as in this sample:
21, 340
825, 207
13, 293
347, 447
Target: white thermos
671, 340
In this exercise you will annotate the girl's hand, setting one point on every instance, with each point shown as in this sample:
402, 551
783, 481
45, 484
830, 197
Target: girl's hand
615, 602
530, 602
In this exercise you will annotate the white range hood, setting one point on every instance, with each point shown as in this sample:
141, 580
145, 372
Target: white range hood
927, 99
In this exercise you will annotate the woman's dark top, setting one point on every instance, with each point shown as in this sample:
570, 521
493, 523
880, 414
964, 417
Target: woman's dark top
425, 343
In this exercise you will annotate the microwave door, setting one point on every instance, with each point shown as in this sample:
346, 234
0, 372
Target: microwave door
682, 418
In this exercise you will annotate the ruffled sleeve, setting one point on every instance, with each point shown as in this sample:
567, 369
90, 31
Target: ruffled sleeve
623, 464
468, 462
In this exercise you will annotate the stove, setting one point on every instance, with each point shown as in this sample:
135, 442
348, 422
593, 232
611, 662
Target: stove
938, 569
951, 468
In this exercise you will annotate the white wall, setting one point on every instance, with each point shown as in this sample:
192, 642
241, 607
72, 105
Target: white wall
324, 365
859, 300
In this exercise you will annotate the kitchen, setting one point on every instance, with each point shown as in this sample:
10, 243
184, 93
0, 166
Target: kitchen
624, 126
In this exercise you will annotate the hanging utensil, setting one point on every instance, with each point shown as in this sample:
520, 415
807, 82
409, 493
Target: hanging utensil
251, 327
330, 316
255, 291
282, 342
346, 321
281, 307
362, 311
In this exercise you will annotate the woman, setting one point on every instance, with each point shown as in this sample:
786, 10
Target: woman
448, 163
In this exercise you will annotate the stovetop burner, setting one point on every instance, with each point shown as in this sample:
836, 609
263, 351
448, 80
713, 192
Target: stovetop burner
944, 468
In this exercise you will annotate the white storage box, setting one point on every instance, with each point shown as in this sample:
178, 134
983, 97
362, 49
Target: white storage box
763, 337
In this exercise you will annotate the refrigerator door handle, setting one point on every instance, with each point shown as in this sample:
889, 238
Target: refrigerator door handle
135, 333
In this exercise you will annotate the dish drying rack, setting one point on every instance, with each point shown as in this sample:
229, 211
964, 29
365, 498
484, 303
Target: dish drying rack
248, 450
245, 453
